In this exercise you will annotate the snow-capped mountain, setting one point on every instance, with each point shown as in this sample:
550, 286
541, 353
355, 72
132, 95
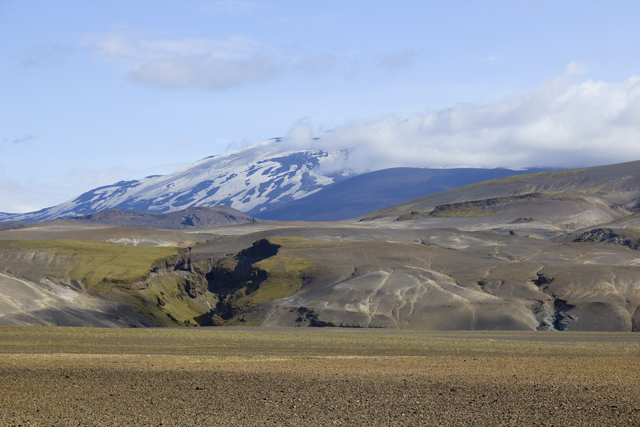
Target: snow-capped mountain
249, 180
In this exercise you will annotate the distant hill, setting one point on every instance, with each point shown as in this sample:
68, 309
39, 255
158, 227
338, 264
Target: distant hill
617, 185
198, 217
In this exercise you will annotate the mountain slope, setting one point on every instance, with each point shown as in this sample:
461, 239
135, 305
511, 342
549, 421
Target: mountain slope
361, 194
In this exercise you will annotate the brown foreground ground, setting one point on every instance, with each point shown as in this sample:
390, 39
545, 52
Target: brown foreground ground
311, 377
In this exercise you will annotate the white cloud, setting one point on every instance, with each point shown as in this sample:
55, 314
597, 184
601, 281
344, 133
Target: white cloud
561, 123
190, 62
396, 60
183, 143
221, 64
574, 68
207, 73
238, 144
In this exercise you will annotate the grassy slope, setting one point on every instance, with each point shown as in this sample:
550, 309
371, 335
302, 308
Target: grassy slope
116, 272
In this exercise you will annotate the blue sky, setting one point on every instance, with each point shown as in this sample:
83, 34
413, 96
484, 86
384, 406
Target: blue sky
94, 92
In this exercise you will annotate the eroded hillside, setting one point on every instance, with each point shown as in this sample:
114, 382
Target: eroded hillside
442, 280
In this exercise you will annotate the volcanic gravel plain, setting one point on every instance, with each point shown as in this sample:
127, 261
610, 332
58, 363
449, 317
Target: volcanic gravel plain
316, 377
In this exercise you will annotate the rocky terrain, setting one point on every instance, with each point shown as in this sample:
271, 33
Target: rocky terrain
194, 217
426, 279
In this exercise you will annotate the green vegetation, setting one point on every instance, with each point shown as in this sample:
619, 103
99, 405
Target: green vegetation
413, 215
285, 276
167, 300
543, 175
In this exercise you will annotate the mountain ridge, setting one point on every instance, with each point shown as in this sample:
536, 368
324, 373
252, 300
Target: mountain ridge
361, 194
193, 217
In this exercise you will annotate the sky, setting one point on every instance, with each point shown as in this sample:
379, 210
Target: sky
95, 92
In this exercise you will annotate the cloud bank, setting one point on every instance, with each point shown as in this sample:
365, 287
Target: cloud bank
189, 62
560, 124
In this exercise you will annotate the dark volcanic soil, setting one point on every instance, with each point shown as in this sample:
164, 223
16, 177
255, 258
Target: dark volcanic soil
294, 391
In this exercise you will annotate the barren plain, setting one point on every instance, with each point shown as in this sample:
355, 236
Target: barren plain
316, 377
